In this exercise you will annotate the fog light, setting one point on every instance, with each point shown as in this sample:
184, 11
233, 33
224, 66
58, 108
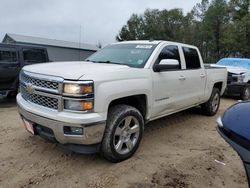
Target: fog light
73, 130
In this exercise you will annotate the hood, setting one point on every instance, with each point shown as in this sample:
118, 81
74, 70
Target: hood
72, 70
234, 70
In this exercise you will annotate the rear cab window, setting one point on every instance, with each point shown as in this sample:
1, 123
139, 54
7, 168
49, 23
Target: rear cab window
8, 55
34, 55
192, 58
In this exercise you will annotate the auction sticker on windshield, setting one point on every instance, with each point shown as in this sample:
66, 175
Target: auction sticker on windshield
144, 46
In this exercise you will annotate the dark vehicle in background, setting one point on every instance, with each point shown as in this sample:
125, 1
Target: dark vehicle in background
234, 127
238, 83
12, 59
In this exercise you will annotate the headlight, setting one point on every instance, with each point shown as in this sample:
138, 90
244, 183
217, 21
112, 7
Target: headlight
78, 95
78, 88
78, 105
241, 78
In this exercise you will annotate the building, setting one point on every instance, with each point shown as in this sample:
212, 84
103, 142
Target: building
58, 50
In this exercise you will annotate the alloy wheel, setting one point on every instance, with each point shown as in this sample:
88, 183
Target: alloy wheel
126, 135
215, 102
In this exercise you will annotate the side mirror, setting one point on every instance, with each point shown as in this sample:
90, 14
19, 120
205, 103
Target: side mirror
167, 64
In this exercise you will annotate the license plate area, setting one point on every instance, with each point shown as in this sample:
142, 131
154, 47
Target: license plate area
29, 126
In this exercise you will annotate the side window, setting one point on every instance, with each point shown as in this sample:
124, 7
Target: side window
170, 52
192, 58
34, 56
8, 55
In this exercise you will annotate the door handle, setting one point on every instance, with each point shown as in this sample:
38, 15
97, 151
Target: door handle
182, 78
202, 75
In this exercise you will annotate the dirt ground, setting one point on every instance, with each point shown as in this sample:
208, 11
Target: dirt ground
177, 152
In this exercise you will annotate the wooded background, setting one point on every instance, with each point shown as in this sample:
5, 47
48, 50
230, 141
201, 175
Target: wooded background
219, 28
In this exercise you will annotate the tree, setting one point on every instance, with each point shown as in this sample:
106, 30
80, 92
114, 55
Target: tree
239, 9
218, 27
133, 30
240, 17
200, 10
154, 24
214, 24
199, 39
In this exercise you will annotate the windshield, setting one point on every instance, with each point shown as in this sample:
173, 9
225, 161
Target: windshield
133, 55
243, 63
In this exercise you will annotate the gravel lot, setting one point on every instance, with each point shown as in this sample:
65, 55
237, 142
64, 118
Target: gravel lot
177, 151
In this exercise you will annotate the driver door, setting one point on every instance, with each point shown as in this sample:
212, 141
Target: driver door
169, 85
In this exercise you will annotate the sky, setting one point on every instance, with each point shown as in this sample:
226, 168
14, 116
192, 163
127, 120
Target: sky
88, 21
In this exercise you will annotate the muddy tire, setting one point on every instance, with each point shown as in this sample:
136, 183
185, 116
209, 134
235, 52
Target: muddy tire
245, 95
210, 108
124, 131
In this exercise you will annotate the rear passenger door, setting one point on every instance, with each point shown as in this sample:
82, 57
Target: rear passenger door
34, 55
195, 76
9, 67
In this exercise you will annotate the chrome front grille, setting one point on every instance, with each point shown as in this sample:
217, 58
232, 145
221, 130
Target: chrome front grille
39, 82
45, 101
47, 91
41, 90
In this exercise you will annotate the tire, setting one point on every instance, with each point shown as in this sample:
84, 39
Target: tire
245, 95
210, 108
124, 131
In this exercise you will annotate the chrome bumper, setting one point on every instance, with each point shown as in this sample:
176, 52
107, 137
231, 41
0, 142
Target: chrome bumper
92, 132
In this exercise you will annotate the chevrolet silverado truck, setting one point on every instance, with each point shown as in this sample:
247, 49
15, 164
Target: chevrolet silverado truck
238, 83
102, 104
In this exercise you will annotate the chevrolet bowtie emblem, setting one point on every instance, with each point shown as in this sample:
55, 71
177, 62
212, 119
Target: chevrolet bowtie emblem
29, 88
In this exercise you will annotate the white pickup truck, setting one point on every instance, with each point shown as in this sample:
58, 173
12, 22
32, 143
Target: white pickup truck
102, 104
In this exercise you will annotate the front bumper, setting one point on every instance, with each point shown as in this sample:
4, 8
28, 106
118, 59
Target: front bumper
92, 130
235, 88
